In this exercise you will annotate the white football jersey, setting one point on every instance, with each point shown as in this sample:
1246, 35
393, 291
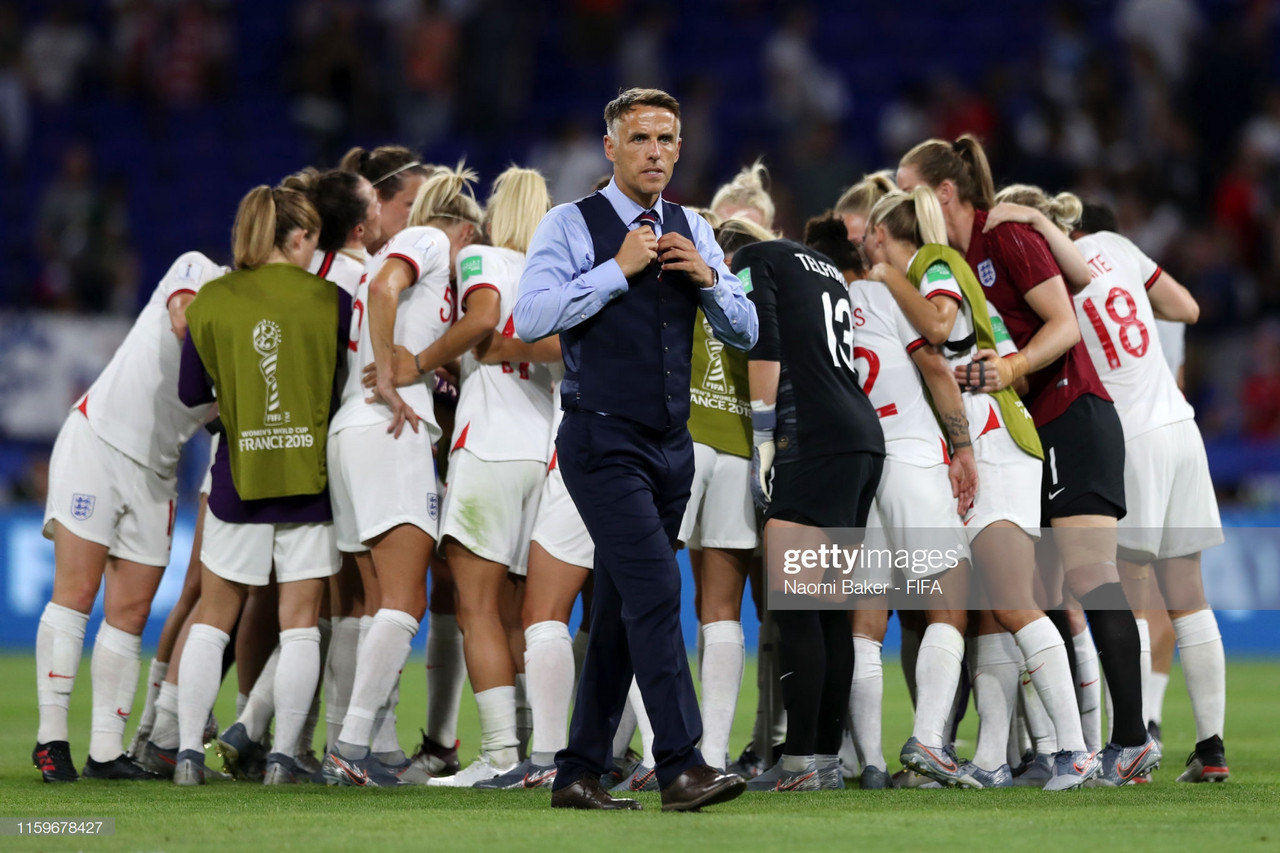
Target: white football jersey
1173, 342
961, 343
504, 410
345, 268
424, 312
1119, 328
133, 405
883, 342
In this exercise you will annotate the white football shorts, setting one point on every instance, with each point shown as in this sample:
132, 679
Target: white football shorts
103, 496
245, 553
1008, 476
720, 513
489, 507
1173, 511
378, 481
558, 527
915, 518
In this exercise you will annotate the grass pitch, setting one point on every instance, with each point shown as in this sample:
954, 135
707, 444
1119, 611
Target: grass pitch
1242, 814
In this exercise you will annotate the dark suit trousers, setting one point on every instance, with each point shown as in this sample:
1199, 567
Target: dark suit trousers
631, 485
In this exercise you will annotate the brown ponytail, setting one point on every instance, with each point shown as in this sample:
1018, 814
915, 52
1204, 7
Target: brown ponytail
962, 162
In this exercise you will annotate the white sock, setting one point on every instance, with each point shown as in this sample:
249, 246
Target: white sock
446, 673
548, 666
938, 663
723, 660
261, 705
642, 723
242, 699
497, 707
995, 688
199, 677
155, 677
866, 698
524, 716
297, 675
626, 731
339, 675
1144, 663
385, 743
1044, 738
114, 667
702, 650
1046, 659
1089, 694
382, 655
59, 642
164, 733
580, 640
307, 738
1205, 669
366, 622
1155, 701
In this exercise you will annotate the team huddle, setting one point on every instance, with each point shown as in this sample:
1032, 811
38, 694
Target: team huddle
945, 366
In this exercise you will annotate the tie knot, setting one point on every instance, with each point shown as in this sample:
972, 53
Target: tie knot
648, 218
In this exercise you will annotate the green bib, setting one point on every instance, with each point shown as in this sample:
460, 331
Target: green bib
1016, 417
269, 339
719, 409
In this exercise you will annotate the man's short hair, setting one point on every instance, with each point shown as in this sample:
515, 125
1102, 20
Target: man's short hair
632, 98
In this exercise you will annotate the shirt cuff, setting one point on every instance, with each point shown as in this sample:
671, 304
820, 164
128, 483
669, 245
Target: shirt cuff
608, 282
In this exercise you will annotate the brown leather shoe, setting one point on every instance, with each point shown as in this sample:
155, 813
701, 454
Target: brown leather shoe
586, 793
701, 786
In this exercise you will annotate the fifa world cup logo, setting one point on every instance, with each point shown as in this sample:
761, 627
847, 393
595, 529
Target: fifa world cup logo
266, 341
715, 379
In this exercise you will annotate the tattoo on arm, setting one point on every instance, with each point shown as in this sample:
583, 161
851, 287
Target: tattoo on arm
957, 428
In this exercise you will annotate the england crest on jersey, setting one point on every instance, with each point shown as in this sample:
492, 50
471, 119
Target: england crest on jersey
82, 506
987, 273
433, 506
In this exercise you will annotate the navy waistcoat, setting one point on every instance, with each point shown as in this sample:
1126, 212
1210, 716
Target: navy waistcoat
631, 359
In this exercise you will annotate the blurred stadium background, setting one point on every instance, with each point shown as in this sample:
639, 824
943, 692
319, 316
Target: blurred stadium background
129, 130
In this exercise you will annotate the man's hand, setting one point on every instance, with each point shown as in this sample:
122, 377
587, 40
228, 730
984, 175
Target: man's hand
639, 249
989, 372
404, 371
677, 252
964, 478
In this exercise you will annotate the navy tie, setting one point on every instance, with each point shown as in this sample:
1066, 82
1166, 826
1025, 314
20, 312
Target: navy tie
649, 218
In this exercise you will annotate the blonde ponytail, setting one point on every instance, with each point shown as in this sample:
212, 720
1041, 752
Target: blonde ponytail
749, 188
1064, 210
447, 194
930, 223
862, 196
265, 219
518, 201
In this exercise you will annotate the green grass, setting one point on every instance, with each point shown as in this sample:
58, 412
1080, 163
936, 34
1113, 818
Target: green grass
1243, 814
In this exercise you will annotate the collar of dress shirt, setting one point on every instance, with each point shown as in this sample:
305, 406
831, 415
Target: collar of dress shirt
625, 207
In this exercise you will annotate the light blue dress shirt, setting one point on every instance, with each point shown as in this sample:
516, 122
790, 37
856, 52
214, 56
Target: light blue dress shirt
560, 288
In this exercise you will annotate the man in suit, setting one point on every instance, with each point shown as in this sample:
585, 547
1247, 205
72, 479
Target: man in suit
620, 275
